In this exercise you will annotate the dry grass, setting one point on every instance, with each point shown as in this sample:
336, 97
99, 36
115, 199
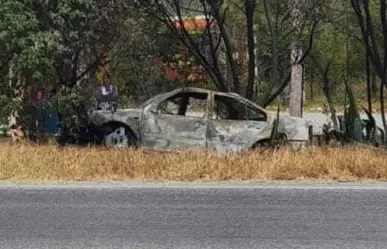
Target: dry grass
47, 162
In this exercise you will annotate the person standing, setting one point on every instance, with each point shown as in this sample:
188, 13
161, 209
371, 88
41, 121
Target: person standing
108, 94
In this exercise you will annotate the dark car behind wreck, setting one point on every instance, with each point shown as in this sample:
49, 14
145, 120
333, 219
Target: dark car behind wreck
194, 118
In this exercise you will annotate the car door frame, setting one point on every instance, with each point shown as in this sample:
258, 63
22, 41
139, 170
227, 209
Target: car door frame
152, 135
235, 135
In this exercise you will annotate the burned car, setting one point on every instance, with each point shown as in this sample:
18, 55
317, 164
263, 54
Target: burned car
189, 118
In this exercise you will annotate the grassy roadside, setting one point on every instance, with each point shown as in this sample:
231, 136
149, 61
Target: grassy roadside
28, 162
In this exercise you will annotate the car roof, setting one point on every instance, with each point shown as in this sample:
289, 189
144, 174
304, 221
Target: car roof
204, 90
200, 90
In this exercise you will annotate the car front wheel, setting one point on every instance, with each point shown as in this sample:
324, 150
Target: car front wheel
119, 137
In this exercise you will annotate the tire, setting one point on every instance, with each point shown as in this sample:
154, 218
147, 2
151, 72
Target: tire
262, 146
118, 138
280, 141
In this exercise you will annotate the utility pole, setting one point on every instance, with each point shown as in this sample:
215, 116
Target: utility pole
296, 93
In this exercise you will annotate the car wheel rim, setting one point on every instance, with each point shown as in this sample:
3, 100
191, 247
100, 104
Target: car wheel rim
117, 139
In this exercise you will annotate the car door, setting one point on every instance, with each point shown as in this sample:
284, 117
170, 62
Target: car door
178, 122
235, 125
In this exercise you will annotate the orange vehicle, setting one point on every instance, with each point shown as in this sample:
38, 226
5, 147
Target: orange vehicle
183, 65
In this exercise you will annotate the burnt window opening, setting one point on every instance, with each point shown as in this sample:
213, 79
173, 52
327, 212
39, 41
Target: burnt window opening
184, 104
227, 108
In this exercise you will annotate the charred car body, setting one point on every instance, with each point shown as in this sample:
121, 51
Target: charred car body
188, 118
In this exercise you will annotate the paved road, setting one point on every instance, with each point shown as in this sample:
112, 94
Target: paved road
213, 216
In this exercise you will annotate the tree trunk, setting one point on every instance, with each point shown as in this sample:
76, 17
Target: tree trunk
382, 111
374, 84
275, 80
327, 93
352, 116
369, 90
12, 118
229, 54
249, 7
296, 94
311, 82
10, 74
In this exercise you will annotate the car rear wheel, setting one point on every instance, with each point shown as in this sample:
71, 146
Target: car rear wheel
279, 141
119, 137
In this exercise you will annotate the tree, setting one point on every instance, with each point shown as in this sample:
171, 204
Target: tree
49, 44
328, 55
136, 60
27, 52
277, 33
249, 11
175, 15
224, 68
374, 34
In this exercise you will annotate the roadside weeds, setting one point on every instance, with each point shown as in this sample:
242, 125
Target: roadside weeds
30, 162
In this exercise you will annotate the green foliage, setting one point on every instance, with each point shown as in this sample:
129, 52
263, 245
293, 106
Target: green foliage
133, 59
74, 105
7, 107
54, 43
32, 49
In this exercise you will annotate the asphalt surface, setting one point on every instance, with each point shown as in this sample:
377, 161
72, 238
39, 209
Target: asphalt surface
193, 216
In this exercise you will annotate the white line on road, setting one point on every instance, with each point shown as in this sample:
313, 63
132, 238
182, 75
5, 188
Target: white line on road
200, 185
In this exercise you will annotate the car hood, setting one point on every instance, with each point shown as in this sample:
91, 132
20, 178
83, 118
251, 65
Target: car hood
121, 115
